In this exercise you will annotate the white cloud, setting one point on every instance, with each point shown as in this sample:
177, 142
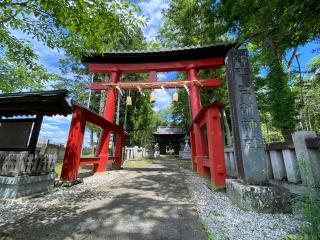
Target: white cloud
163, 99
58, 119
152, 9
56, 129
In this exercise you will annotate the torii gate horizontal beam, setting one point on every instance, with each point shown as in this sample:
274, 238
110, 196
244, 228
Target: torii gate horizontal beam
159, 67
211, 82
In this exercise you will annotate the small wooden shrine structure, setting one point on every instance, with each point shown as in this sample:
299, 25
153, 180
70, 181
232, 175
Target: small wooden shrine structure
22, 171
171, 137
21, 116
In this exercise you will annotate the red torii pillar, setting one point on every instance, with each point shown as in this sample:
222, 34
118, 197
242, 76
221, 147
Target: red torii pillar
195, 105
109, 112
212, 149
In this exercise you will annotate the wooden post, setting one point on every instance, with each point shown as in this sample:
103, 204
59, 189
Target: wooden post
197, 147
35, 134
72, 154
118, 152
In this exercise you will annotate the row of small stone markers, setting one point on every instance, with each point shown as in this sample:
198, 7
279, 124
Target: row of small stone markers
17, 164
23, 174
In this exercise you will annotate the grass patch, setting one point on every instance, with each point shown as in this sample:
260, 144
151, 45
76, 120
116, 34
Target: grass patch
58, 168
310, 207
205, 225
186, 164
136, 163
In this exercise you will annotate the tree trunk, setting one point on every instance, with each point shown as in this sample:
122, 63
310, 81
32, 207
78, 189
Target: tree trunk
92, 142
227, 128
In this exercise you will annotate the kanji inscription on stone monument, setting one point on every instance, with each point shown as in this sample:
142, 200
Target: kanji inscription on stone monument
248, 143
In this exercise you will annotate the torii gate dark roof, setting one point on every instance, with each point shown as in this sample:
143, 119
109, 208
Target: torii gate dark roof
46, 103
180, 54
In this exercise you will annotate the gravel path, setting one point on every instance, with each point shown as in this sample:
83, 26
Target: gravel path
149, 203
14, 209
226, 221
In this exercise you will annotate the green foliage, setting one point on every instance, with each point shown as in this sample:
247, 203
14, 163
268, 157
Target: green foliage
19, 69
19, 76
307, 90
140, 119
205, 225
310, 205
75, 27
290, 24
181, 110
281, 101
190, 22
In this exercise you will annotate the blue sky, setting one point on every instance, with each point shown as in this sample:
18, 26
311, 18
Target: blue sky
56, 128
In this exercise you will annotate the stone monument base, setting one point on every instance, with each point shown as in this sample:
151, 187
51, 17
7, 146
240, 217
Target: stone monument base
186, 155
150, 153
266, 199
22, 186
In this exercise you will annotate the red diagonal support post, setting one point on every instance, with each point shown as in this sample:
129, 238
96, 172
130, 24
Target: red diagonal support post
71, 160
109, 112
216, 146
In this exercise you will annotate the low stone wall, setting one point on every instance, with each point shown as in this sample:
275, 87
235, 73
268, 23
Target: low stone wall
51, 148
22, 186
295, 162
135, 153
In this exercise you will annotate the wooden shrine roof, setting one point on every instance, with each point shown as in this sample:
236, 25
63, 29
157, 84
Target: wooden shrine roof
169, 131
47, 103
167, 55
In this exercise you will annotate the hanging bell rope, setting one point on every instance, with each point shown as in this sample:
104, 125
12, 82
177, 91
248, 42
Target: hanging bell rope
141, 92
163, 90
187, 89
152, 97
120, 91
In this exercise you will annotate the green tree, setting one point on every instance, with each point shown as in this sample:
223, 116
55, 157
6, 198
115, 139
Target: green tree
76, 27
268, 28
274, 27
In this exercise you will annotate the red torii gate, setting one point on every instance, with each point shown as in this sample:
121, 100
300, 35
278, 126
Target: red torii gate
205, 130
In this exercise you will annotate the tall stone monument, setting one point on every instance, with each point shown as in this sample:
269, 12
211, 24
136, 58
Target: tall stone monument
251, 190
248, 143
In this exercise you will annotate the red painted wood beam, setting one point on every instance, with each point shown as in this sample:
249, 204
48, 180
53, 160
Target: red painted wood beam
89, 160
212, 82
208, 63
96, 119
